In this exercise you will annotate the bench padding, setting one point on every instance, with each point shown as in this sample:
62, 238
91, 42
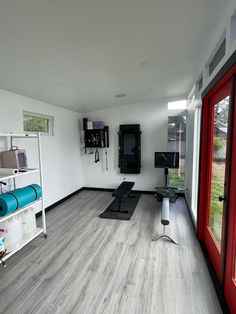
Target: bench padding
123, 189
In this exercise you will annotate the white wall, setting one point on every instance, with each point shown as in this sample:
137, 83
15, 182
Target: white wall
226, 27
153, 118
62, 165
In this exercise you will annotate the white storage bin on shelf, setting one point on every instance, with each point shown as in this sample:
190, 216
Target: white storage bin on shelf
11, 231
28, 221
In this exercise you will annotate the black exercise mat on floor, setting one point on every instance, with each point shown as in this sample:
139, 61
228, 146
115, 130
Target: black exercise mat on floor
127, 204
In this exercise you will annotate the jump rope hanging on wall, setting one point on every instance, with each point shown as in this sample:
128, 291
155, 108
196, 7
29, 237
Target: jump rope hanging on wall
96, 136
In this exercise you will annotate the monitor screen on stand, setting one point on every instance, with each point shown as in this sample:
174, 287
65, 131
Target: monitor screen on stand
166, 160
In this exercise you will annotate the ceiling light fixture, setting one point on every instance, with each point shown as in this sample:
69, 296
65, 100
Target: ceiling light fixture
145, 64
120, 95
61, 84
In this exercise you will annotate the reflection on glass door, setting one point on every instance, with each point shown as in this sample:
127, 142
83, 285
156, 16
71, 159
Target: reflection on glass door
218, 168
177, 143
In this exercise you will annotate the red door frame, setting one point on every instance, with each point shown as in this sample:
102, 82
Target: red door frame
227, 262
213, 247
230, 283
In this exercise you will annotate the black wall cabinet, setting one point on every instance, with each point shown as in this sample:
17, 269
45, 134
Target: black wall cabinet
96, 138
129, 148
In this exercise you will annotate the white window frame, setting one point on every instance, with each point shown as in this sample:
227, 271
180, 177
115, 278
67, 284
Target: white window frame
39, 115
196, 156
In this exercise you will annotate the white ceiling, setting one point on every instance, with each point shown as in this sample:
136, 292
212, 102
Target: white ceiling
79, 54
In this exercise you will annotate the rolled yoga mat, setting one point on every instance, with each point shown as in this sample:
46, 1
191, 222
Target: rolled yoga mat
24, 196
8, 171
8, 204
27, 194
13, 200
38, 190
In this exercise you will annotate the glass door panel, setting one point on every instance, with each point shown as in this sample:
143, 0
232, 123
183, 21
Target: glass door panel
218, 168
215, 167
217, 193
177, 143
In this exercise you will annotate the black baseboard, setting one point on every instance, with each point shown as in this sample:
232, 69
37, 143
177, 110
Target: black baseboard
97, 189
59, 202
190, 216
112, 190
87, 189
92, 189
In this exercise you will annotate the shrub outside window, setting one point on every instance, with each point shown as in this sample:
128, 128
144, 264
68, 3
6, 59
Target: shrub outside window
34, 122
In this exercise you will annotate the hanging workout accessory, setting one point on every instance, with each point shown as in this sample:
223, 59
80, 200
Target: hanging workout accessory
106, 141
13, 200
166, 194
96, 156
130, 148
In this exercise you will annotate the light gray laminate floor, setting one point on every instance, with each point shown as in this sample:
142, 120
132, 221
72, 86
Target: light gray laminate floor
92, 265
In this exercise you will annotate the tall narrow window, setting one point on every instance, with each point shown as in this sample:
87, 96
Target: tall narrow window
200, 83
196, 150
177, 143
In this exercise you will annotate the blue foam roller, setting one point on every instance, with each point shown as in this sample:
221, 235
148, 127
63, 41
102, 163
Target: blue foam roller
37, 189
8, 204
24, 196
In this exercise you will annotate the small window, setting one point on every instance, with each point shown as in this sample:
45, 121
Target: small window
233, 29
34, 122
200, 83
219, 55
177, 105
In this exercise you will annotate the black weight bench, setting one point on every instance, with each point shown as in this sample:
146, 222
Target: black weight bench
124, 204
121, 192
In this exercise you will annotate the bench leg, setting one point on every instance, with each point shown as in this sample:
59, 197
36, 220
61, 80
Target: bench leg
118, 210
131, 196
119, 204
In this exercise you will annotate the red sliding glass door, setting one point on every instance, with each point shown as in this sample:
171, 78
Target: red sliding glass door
230, 254
217, 199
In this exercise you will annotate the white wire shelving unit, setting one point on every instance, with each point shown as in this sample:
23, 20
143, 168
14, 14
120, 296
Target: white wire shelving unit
40, 202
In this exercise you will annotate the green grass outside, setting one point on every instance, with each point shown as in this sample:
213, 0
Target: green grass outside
217, 189
176, 180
